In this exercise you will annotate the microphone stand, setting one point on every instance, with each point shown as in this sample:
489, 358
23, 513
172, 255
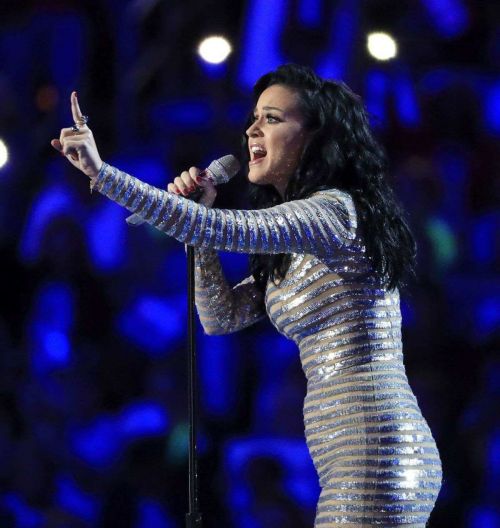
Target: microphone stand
193, 517
223, 168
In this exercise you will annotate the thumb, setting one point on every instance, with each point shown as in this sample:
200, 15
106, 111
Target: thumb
209, 192
56, 144
205, 183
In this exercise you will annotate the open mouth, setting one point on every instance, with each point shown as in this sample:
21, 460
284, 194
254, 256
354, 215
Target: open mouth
257, 152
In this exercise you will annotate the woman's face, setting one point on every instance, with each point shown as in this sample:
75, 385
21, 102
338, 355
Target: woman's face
276, 138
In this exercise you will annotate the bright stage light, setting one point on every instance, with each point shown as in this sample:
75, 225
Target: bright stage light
4, 153
382, 46
214, 49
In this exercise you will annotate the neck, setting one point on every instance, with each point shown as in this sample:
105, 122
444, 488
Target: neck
280, 187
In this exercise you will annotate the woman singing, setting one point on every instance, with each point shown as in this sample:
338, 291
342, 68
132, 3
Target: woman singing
329, 249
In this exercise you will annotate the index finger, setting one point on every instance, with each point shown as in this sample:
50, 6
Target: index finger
75, 108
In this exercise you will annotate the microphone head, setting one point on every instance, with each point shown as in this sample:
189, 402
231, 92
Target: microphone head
223, 169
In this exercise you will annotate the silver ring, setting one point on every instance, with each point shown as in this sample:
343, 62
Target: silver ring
83, 120
75, 128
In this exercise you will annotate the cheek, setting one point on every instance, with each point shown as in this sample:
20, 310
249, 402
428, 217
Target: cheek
290, 150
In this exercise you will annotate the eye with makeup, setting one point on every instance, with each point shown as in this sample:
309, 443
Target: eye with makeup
270, 118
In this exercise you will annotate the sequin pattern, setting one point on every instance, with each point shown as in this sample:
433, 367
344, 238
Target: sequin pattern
375, 455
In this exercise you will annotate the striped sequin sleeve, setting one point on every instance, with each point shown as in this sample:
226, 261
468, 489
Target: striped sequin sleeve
317, 225
223, 309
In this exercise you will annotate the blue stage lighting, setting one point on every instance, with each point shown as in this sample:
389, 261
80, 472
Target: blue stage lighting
57, 347
72, 499
152, 514
310, 12
333, 63
406, 100
235, 266
25, 515
408, 313
292, 456
261, 39
183, 115
98, 443
154, 324
142, 419
484, 231
106, 234
450, 17
488, 314
51, 323
377, 88
52, 202
492, 108
214, 71
484, 516
54, 306
494, 457
219, 360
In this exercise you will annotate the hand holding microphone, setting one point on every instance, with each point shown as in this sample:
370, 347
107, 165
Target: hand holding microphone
198, 185
194, 183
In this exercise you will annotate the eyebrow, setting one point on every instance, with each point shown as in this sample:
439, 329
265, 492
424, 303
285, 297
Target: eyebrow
270, 108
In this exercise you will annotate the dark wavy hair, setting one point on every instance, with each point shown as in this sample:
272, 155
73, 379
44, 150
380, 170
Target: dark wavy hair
342, 153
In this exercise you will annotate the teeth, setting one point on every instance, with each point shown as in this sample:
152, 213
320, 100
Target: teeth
257, 148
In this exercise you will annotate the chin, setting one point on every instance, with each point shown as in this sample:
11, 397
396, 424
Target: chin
257, 179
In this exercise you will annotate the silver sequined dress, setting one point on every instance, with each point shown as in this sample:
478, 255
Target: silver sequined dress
377, 461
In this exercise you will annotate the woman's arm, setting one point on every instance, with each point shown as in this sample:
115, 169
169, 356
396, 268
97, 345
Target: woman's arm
222, 309
317, 225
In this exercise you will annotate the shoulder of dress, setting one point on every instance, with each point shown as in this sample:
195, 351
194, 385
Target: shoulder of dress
345, 199
333, 191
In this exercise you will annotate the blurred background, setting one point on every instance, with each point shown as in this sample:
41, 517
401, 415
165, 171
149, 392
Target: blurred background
93, 403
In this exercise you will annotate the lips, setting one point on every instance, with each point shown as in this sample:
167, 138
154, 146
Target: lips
257, 153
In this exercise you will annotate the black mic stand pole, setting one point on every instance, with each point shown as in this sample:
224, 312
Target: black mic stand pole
193, 518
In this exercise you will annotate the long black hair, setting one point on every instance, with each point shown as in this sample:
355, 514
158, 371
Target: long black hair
342, 153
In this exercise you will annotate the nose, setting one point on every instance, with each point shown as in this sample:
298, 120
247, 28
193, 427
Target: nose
253, 130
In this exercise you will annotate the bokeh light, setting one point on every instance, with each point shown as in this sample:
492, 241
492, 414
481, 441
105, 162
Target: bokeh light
382, 46
214, 49
4, 154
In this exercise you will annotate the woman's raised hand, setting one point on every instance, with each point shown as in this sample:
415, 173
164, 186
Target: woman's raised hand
189, 180
77, 143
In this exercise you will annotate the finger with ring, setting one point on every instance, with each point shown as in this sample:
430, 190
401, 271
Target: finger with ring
83, 120
75, 128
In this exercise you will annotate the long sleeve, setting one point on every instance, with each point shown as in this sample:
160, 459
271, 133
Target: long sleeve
223, 309
317, 225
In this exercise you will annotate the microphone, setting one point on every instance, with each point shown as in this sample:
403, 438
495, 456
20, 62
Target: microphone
219, 171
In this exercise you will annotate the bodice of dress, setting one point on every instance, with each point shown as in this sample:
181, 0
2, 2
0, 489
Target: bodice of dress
337, 312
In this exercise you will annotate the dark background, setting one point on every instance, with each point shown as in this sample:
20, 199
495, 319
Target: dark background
92, 324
